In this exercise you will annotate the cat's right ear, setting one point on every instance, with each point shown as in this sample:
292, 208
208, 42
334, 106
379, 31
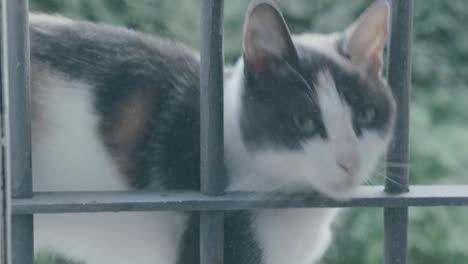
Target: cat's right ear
365, 39
266, 37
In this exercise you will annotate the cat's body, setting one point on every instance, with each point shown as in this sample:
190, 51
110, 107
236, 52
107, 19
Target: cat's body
118, 110
91, 110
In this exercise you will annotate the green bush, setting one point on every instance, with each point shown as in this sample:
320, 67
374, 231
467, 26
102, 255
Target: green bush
47, 257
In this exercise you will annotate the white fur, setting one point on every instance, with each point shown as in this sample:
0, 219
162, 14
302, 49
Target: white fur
235, 153
298, 236
326, 45
117, 238
67, 124
69, 156
343, 141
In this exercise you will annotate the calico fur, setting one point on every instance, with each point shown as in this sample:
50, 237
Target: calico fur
117, 110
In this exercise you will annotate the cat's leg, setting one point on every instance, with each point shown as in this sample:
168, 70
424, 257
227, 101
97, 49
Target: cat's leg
117, 238
299, 236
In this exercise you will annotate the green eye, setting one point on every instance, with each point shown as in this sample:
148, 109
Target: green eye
305, 124
367, 117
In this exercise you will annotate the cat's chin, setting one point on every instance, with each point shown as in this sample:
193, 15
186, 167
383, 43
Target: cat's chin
340, 196
339, 193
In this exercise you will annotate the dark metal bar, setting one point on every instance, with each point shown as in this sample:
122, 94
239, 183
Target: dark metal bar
22, 240
211, 108
399, 77
396, 229
17, 121
5, 211
211, 128
5, 195
366, 196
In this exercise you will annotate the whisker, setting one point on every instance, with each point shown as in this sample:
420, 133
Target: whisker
397, 165
396, 162
388, 173
389, 179
393, 181
311, 96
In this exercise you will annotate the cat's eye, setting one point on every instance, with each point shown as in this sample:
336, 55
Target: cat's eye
366, 117
305, 124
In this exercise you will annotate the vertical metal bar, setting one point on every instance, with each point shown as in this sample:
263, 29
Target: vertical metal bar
3, 217
211, 101
5, 203
399, 77
396, 228
17, 121
211, 128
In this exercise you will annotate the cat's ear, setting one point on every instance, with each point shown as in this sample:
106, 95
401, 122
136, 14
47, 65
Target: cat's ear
366, 38
266, 37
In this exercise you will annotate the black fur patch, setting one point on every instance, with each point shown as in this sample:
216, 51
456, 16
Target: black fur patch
271, 101
240, 245
119, 64
359, 92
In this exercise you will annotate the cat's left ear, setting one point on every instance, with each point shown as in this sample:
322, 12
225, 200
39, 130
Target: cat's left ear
266, 37
365, 39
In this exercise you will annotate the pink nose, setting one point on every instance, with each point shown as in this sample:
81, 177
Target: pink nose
349, 165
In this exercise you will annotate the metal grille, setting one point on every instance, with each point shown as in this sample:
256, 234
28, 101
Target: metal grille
18, 203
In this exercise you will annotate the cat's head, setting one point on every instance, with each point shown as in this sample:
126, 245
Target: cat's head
315, 109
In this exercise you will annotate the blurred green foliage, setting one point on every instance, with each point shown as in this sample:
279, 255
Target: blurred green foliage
439, 115
46, 257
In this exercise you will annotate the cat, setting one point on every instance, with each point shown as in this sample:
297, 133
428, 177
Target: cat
116, 110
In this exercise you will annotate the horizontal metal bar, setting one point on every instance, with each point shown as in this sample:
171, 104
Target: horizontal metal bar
366, 196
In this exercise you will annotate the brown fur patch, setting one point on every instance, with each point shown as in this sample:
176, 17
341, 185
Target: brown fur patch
131, 122
129, 126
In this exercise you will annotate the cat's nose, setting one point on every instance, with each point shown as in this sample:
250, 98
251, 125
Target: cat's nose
350, 164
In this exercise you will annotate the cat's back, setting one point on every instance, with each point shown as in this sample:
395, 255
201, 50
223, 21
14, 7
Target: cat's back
90, 50
107, 101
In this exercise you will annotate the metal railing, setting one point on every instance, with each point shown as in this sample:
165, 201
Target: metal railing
16, 128
19, 204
